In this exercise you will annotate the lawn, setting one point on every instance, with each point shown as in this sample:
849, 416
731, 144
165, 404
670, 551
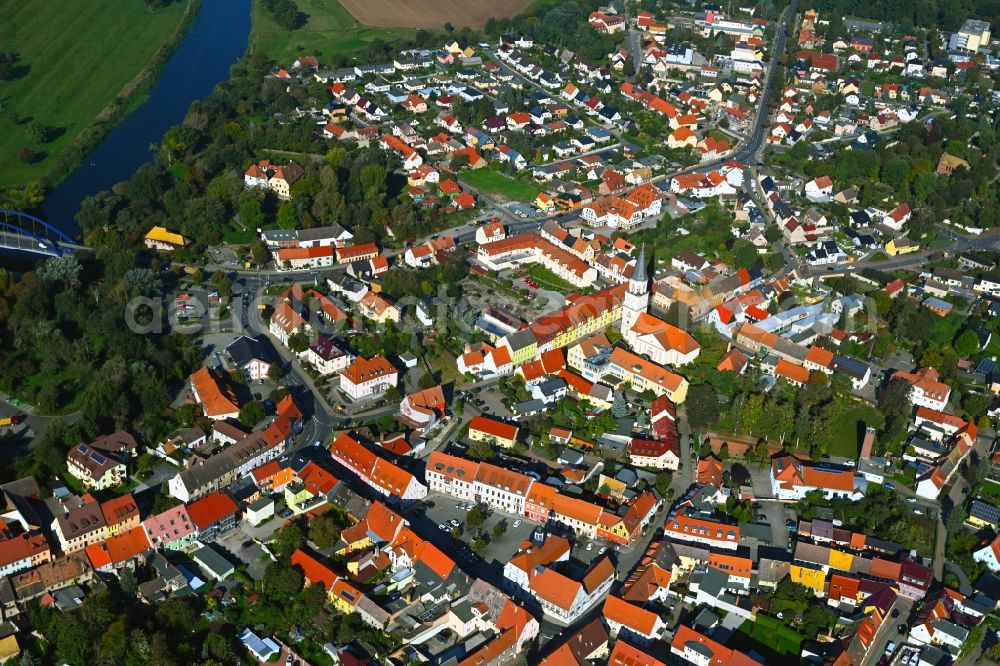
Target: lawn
844, 437
499, 185
546, 279
990, 490
770, 632
443, 363
79, 55
329, 29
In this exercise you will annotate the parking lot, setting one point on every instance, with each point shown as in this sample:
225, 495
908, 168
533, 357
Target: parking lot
253, 556
428, 521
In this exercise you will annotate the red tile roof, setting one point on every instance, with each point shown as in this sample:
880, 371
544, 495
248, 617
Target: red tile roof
211, 509
315, 572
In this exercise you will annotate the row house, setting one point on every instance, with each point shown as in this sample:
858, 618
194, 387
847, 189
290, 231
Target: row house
382, 475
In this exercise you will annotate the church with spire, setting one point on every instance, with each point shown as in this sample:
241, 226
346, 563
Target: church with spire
648, 335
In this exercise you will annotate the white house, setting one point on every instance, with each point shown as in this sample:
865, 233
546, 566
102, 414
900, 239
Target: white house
367, 377
989, 555
819, 189
792, 479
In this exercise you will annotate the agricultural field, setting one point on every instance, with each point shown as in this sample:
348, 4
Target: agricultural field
77, 56
330, 29
432, 13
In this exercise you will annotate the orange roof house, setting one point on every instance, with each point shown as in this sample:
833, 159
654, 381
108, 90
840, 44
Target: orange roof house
710, 470
314, 571
119, 548
793, 372
733, 361
213, 393
481, 427
643, 622
211, 509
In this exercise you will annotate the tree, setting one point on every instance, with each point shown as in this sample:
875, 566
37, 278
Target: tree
128, 582
474, 518
281, 582
619, 409
480, 450
298, 342
324, 532
967, 343
287, 540
64, 270
956, 520
275, 372
39, 132
223, 284
9, 67
252, 212
258, 253
28, 156
176, 613
252, 413
894, 401
287, 218
499, 529
479, 544
702, 406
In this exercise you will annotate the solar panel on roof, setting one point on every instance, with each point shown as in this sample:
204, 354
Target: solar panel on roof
98, 458
987, 366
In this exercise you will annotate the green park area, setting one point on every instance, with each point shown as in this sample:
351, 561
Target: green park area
72, 59
499, 185
329, 29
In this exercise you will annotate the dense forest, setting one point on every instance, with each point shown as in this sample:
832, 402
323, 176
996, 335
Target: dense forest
64, 346
943, 14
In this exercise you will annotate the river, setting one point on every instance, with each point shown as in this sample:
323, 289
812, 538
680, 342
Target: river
216, 40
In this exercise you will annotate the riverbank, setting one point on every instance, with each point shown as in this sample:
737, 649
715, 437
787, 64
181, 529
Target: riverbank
211, 45
131, 96
80, 77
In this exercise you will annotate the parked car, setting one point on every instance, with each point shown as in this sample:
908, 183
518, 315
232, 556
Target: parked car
889, 486
590, 546
517, 523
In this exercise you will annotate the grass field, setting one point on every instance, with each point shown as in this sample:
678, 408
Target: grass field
775, 635
329, 29
844, 439
79, 55
546, 279
499, 185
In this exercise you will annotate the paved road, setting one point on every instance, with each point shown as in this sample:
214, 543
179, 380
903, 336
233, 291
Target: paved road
889, 631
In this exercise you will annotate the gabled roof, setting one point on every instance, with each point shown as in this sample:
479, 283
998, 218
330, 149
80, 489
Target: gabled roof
634, 617
314, 570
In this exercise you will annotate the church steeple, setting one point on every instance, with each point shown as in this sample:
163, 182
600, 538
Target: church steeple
636, 300
639, 273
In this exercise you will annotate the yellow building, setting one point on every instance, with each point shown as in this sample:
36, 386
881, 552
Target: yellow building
646, 375
344, 596
9, 649
159, 238
840, 561
482, 429
814, 579
544, 202
899, 246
